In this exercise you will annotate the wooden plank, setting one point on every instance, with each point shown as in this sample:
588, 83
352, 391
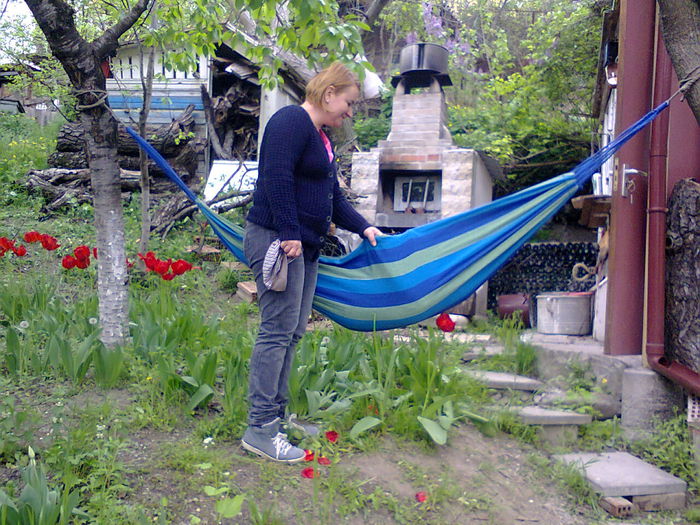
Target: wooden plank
616, 506
653, 502
247, 291
594, 209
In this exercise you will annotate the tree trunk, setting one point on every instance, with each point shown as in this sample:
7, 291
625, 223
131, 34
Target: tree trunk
683, 275
680, 26
112, 279
81, 61
147, 85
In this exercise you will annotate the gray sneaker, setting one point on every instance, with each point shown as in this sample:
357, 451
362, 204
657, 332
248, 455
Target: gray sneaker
268, 442
305, 427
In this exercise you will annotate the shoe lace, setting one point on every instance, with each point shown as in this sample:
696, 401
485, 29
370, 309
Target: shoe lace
281, 444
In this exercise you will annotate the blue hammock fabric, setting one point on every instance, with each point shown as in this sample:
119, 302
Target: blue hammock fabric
426, 270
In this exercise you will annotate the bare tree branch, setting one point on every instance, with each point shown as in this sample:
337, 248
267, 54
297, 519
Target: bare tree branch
107, 43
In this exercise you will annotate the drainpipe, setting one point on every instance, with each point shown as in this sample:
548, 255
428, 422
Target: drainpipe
656, 240
627, 232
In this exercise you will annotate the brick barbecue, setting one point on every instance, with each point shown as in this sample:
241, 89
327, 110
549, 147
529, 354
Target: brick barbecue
418, 175
418, 152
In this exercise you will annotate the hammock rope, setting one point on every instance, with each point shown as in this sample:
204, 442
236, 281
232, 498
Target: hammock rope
428, 269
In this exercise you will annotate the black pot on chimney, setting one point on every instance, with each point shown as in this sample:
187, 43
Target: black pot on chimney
420, 63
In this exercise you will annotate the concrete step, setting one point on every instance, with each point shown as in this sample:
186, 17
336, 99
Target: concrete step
505, 381
558, 427
536, 415
622, 474
485, 350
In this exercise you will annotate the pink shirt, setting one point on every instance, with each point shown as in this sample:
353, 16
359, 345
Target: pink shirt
327, 143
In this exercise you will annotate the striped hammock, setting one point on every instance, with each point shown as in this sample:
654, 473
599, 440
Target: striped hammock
426, 270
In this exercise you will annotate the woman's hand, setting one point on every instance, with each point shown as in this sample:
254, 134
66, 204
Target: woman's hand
371, 234
291, 248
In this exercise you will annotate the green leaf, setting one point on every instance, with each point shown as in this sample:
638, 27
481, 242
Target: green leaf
434, 430
213, 491
363, 425
230, 507
200, 397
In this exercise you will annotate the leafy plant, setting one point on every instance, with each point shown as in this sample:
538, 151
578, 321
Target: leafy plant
671, 448
17, 428
38, 503
109, 363
26, 146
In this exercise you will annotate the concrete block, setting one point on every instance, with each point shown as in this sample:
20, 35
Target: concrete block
534, 415
559, 435
654, 502
647, 398
622, 474
695, 433
505, 381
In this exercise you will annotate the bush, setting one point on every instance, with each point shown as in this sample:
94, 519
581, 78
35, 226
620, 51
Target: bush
27, 145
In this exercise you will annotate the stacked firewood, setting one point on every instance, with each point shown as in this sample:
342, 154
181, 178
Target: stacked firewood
174, 141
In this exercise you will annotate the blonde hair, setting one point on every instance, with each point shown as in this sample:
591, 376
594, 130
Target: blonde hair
336, 75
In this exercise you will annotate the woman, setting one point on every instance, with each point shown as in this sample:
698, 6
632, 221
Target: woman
296, 199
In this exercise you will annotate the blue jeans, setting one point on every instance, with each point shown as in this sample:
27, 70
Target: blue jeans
283, 319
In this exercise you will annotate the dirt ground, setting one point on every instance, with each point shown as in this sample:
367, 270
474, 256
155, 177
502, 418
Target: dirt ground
478, 479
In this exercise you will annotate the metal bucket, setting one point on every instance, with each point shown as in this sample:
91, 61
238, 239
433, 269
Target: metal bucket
423, 57
567, 313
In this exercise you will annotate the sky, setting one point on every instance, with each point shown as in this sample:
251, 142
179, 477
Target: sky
15, 8
12, 9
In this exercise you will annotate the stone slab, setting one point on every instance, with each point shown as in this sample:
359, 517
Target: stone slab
503, 380
622, 474
655, 502
534, 415
487, 350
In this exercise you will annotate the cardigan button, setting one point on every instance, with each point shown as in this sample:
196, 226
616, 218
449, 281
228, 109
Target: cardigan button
330, 196
321, 238
328, 219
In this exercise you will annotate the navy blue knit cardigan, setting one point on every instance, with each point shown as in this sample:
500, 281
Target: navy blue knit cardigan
297, 192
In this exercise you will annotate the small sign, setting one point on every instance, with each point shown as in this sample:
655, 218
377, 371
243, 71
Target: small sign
230, 175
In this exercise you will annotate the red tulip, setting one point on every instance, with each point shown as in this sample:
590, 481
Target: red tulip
181, 266
421, 496
49, 242
445, 323
6, 244
332, 436
94, 253
324, 461
308, 473
168, 276
82, 263
82, 252
20, 251
309, 455
32, 236
69, 262
162, 267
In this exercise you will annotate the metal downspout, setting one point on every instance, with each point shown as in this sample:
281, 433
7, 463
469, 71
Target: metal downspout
656, 245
